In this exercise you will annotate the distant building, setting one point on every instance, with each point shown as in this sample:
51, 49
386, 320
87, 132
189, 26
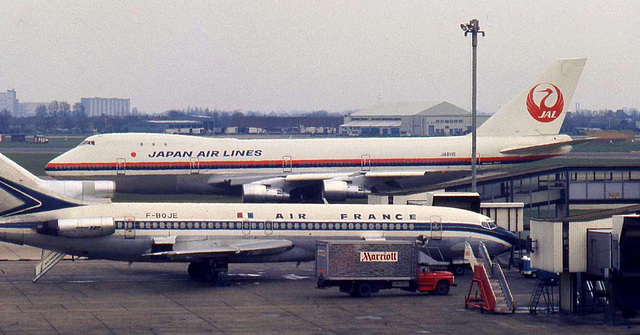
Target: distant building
106, 106
29, 108
288, 124
169, 127
9, 102
409, 119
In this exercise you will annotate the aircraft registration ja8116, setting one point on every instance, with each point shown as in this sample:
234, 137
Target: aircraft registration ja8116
270, 170
210, 236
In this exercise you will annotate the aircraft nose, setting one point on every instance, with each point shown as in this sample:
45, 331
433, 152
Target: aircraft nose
53, 165
507, 237
50, 167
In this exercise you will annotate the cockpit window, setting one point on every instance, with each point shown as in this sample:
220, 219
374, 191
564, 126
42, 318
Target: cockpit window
489, 224
88, 143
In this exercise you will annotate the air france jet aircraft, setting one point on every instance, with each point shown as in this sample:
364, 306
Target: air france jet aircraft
266, 170
210, 236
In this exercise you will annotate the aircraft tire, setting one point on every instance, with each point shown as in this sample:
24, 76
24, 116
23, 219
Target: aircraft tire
197, 270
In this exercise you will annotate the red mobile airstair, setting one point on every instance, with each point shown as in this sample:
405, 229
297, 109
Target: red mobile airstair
489, 290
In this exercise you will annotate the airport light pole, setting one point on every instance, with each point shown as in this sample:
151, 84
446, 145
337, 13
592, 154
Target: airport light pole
473, 28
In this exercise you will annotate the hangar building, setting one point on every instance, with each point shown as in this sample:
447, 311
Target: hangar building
409, 119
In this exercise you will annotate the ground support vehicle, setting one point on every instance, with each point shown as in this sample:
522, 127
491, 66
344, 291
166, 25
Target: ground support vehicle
361, 268
489, 290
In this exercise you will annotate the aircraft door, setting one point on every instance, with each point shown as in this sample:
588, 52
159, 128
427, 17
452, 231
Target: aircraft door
436, 228
365, 162
268, 227
121, 165
194, 165
287, 164
246, 228
129, 227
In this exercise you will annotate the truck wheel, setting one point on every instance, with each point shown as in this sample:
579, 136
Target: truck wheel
534, 274
364, 290
459, 270
442, 288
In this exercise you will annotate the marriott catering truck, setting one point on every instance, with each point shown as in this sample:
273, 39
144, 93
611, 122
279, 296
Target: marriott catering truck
364, 267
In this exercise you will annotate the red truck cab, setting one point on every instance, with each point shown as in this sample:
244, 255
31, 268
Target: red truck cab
434, 282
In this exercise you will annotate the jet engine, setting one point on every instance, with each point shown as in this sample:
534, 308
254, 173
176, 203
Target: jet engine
85, 190
263, 193
79, 228
341, 190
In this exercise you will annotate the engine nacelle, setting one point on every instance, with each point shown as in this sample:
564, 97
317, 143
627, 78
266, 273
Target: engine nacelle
341, 190
262, 193
79, 228
85, 190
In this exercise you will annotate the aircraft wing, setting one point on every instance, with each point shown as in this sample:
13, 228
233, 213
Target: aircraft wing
373, 174
414, 173
538, 148
238, 179
209, 246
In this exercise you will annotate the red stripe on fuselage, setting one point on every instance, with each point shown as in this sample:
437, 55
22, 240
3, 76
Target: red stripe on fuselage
303, 163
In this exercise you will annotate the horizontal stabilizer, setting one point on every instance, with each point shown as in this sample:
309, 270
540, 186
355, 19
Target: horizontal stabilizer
547, 147
198, 247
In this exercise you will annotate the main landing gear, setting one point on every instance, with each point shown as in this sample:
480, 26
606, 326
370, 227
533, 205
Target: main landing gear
216, 273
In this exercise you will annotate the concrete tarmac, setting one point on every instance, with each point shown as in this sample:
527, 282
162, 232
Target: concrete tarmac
104, 297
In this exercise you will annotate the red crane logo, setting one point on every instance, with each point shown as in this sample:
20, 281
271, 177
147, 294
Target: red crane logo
540, 110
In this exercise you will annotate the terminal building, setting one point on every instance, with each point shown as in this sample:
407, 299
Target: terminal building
439, 118
595, 255
106, 106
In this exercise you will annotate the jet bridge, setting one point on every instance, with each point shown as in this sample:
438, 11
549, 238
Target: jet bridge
598, 260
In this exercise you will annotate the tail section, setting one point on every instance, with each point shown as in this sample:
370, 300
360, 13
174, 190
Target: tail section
540, 108
20, 192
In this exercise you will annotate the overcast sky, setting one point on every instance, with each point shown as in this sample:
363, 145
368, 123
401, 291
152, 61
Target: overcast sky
306, 55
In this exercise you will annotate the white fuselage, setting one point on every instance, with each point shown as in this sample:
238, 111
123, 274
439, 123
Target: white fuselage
124, 156
140, 225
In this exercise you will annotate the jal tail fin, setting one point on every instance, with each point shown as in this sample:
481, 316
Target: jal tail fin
540, 108
20, 192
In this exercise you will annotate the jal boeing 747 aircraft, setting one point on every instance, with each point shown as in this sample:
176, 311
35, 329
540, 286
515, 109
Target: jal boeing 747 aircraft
526, 129
210, 236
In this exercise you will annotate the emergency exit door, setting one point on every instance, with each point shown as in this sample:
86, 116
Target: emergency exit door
268, 227
436, 228
129, 227
365, 162
194, 165
287, 164
121, 165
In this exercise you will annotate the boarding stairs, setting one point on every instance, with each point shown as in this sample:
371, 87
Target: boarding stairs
492, 292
